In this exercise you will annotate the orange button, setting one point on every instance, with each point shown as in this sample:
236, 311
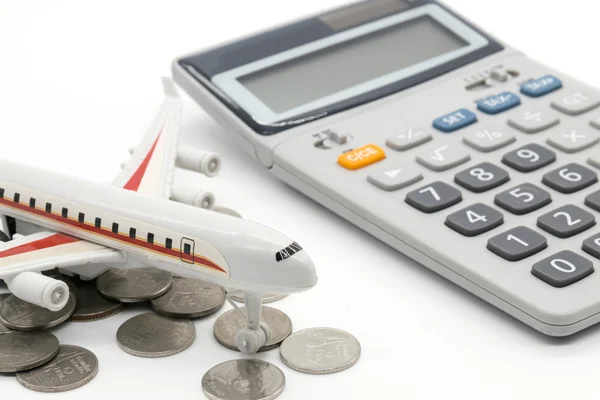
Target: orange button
361, 157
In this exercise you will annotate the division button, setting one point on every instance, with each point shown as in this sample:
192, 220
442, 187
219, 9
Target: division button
533, 120
517, 243
434, 197
563, 269
474, 220
395, 177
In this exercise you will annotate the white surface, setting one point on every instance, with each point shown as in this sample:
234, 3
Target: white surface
79, 83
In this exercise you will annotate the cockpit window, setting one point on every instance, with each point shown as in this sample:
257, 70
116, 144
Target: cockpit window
288, 252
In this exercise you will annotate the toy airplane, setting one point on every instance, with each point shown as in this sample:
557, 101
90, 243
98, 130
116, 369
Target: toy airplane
133, 223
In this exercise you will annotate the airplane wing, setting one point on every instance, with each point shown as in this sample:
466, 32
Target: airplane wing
150, 170
47, 250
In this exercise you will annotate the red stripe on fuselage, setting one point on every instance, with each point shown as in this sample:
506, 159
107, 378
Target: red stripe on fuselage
136, 179
174, 253
45, 243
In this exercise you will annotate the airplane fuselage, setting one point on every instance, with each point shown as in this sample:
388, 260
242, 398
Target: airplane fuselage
152, 231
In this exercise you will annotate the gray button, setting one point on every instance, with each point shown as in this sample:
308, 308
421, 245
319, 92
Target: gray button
529, 158
517, 243
523, 199
595, 161
394, 178
563, 269
474, 220
577, 103
570, 178
434, 197
482, 177
533, 120
566, 221
490, 138
592, 245
443, 157
408, 139
573, 140
593, 201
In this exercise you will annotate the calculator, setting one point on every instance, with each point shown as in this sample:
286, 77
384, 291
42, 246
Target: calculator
438, 139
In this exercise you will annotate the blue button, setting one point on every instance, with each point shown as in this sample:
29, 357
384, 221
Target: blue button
541, 86
454, 121
499, 103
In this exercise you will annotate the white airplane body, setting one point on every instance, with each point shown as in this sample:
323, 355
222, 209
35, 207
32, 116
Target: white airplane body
133, 223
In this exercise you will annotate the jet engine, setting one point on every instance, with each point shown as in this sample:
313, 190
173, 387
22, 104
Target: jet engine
193, 197
205, 162
40, 290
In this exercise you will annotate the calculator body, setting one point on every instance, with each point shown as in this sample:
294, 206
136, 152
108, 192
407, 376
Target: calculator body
482, 168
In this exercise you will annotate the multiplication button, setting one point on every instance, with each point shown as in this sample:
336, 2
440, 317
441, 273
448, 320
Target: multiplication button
517, 243
563, 269
434, 197
474, 220
395, 177
574, 139
489, 138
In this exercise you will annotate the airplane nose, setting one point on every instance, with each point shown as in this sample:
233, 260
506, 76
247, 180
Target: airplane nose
305, 272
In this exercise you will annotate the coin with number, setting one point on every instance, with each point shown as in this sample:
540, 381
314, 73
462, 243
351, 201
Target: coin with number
91, 306
134, 285
20, 315
320, 351
20, 351
72, 368
266, 298
4, 329
243, 380
190, 298
151, 335
230, 323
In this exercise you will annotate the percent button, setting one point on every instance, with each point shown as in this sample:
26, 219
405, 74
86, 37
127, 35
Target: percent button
489, 138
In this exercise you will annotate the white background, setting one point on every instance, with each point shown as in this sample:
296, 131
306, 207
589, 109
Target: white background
79, 84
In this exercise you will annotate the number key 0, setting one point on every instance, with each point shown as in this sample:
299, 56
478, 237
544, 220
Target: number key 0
529, 158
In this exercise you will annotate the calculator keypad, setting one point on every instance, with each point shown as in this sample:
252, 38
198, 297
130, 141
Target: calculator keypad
474, 220
517, 243
566, 221
592, 246
563, 269
533, 120
482, 177
434, 197
443, 157
529, 158
574, 139
523, 199
577, 102
570, 178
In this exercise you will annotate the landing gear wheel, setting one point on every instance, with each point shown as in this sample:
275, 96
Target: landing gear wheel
265, 328
249, 341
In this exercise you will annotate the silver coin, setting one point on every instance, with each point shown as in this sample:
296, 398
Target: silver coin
151, 335
72, 368
267, 298
133, 285
20, 351
190, 298
227, 211
20, 315
230, 323
4, 329
91, 305
243, 380
320, 351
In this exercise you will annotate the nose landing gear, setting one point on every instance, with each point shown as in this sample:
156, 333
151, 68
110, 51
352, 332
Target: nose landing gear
250, 339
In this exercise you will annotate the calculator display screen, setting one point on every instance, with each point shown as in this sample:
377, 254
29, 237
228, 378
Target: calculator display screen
313, 76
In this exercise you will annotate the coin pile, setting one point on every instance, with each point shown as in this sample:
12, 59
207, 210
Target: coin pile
38, 360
